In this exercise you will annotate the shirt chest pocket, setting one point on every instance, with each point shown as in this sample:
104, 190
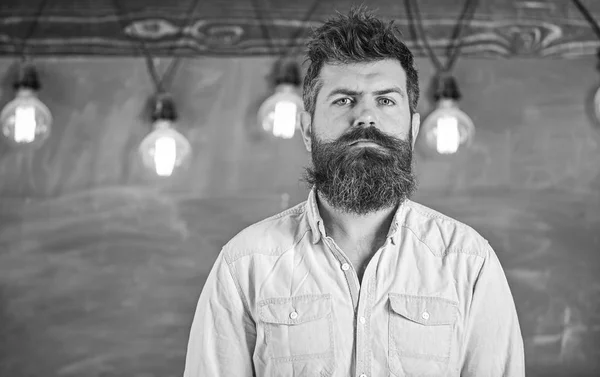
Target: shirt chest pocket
298, 328
421, 333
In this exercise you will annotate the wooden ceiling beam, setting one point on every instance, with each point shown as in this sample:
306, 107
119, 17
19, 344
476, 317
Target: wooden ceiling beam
500, 28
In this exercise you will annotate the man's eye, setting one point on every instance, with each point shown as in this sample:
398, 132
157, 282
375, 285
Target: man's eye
386, 101
343, 101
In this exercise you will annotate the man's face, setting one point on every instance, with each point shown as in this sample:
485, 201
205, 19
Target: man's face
360, 136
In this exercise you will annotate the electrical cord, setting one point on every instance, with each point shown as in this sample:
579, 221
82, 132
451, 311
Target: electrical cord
262, 23
455, 46
586, 13
174, 66
420, 32
300, 31
32, 28
160, 83
293, 41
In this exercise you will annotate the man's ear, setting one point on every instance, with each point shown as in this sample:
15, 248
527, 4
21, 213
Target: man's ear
306, 129
415, 126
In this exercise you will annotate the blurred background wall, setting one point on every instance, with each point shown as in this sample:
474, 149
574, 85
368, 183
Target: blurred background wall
101, 267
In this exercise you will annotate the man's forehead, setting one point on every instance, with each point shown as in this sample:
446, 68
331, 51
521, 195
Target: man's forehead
388, 72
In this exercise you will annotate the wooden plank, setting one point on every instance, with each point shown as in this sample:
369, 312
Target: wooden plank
504, 29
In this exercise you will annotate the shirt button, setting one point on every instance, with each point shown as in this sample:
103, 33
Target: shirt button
345, 266
425, 315
293, 315
362, 320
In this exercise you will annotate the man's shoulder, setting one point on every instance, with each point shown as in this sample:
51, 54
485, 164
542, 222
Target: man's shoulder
271, 236
443, 234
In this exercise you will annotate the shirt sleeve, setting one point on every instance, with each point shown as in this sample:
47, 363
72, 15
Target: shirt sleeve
223, 333
493, 342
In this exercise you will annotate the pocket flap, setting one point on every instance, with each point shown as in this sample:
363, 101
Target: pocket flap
426, 310
294, 310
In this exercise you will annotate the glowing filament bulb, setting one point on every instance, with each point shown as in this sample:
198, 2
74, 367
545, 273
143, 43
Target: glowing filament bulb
24, 124
447, 135
165, 155
284, 122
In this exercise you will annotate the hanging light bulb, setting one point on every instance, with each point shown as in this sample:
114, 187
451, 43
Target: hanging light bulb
447, 129
596, 103
164, 149
26, 120
279, 114
595, 25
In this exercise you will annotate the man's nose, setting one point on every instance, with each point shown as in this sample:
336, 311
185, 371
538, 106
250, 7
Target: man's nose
365, 117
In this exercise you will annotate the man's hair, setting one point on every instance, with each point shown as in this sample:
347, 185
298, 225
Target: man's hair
358, 37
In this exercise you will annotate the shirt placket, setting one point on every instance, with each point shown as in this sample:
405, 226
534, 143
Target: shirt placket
347, 269
362, 300
363, 314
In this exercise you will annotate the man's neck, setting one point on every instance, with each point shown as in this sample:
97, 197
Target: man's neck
367, 231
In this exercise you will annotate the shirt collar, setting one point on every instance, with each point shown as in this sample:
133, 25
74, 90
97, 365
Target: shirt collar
318, 228
314, 217
398, 218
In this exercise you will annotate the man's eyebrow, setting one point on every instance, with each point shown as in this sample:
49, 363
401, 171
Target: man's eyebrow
393, 89
350, 92
343, 91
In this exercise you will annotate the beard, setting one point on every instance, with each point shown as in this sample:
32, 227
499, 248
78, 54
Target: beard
362, 180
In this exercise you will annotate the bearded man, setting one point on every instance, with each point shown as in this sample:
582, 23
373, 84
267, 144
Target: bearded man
358, 280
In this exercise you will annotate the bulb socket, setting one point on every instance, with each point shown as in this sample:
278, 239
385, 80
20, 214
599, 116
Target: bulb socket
27, 78
446, 87
287, 72
164, 108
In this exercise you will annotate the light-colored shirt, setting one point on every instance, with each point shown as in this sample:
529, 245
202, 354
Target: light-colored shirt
282, 299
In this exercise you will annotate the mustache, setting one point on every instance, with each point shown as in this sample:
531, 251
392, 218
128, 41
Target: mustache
371, 134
